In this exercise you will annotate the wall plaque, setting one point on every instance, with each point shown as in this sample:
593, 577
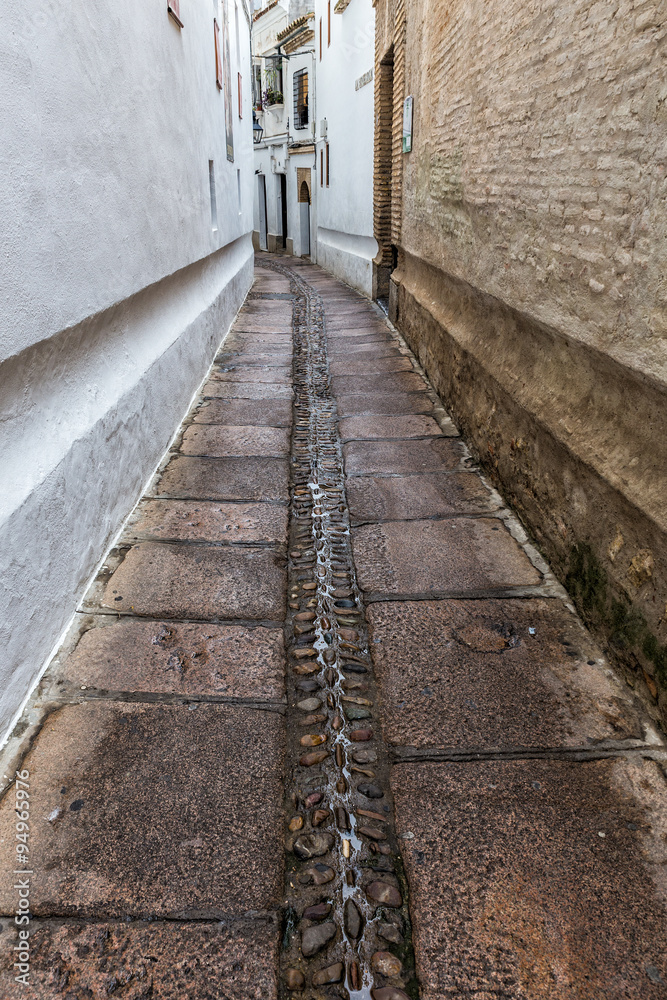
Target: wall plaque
407, 124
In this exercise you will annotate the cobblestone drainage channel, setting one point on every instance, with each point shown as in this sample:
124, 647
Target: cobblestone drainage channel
347, 930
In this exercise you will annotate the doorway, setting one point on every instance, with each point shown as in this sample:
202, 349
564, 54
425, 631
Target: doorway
283, 207
263, 245
384, 262
304, 216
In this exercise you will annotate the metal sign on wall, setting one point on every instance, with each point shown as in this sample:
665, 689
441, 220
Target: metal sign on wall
407, 124
363, 80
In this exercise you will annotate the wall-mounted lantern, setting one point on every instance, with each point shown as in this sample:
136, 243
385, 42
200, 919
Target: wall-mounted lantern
257, 130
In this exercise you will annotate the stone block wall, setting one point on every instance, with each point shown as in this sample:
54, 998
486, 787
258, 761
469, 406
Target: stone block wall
532, 278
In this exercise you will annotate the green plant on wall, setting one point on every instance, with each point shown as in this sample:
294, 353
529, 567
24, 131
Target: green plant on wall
272, 94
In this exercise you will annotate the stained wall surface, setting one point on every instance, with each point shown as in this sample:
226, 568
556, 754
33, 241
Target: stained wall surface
119, 277
529, 225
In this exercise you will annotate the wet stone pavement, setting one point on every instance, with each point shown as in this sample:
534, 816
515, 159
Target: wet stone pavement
325, 725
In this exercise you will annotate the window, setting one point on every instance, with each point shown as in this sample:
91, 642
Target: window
328, 23
300, 99
327, 161
321, 168
320, 38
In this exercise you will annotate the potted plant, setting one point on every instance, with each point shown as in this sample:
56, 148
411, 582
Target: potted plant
271, 96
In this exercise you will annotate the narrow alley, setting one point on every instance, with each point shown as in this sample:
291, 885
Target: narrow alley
327, 725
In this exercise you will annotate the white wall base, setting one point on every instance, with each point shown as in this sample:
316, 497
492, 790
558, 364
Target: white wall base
86, 417
348, 257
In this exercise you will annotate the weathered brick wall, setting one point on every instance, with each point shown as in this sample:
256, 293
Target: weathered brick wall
533, 276
539, 173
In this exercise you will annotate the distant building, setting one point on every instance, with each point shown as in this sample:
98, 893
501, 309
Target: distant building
126, 218
270, 115
313, 92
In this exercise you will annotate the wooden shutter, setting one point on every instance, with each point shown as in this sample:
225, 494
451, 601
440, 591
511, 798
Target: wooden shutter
218, 53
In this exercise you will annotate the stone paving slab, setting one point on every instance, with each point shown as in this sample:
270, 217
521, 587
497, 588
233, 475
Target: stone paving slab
151, 810
264, 279
450, 556
233, 359
339, 349
375, 427
537, 880
233, 367
353, 336
162, 961
250, 375
226, 441
278, 344
246, 390
337, 324
207, 521
363, 335
270, 332
366, 366
366, 403
398, 382
179, 658
245, 341
260, 312
271, 310
472, 675
403, 458
180, 580
387, 498
239, 412
255, 331
192, 478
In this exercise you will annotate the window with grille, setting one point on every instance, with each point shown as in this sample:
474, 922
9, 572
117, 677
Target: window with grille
301, 99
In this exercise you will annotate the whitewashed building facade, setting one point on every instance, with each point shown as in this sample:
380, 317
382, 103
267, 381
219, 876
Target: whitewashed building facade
345, 38
125, 221
314, 160
285, 99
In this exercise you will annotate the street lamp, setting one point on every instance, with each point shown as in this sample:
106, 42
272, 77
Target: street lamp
257, 130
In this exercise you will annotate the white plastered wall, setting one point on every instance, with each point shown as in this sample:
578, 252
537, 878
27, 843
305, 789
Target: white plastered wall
345, 242
116, 287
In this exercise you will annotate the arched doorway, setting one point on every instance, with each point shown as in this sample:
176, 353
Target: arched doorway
304, 213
